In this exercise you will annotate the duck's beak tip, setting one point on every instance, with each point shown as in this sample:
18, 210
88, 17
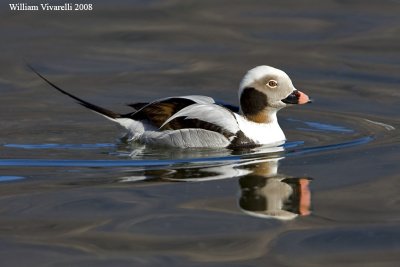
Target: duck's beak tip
303, 98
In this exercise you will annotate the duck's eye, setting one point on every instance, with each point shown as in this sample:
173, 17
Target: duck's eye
272, 83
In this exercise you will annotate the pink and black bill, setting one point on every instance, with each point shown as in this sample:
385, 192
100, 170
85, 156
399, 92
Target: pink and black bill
297, 97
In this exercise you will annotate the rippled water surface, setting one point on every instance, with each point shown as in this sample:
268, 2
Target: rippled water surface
74, 194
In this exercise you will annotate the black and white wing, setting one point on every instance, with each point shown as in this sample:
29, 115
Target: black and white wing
203, 124
205, 116
157, 112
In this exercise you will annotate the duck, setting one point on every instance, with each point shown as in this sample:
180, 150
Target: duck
194, 121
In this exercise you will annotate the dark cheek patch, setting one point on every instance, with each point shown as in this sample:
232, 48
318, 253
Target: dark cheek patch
252, 101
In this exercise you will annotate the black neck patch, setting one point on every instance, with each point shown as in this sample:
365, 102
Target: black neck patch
252, 101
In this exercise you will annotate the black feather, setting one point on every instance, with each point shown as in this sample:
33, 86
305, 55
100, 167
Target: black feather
80, 101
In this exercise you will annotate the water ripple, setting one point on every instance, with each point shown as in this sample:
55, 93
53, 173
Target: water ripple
162, 162
61, 146
351, 132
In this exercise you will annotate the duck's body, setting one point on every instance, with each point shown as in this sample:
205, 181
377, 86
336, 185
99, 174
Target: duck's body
198, 121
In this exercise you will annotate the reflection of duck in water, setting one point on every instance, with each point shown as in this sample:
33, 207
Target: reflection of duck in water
264, 193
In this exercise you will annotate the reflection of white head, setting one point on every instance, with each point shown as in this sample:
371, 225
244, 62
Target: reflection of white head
274, 194
266, 194
267, 199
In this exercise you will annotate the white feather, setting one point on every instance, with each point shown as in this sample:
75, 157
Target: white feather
199, 99
209, 113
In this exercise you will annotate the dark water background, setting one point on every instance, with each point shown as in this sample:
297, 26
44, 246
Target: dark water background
73, 195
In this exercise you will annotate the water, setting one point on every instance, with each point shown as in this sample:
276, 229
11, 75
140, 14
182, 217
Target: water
74, 194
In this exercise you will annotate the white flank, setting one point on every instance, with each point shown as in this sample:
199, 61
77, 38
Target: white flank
184, 138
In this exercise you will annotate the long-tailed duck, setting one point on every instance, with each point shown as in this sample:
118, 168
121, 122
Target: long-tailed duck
199, 121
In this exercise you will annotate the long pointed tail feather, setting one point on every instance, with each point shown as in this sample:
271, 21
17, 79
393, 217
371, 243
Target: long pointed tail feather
105, 112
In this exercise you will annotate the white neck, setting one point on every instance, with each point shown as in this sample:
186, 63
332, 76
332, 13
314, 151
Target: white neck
262, 133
